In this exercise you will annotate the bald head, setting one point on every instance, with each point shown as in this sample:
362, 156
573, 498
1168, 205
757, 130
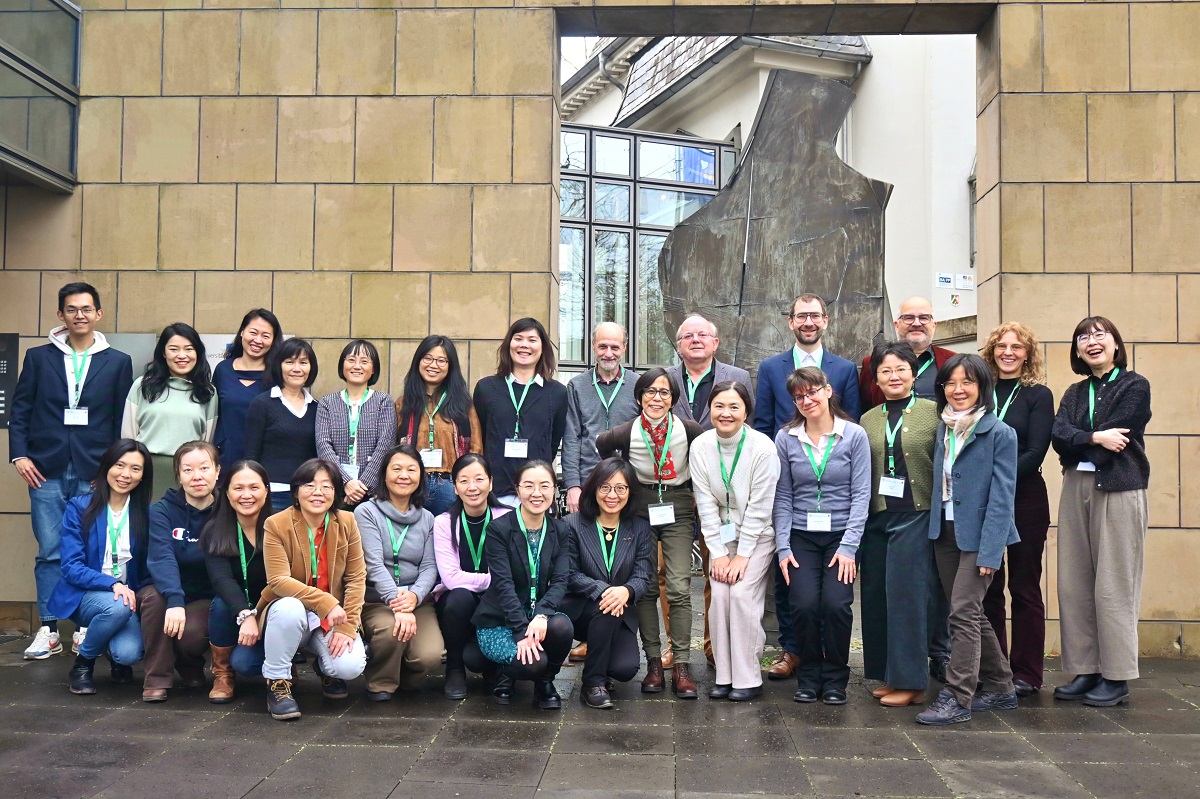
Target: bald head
915, 323
608, 344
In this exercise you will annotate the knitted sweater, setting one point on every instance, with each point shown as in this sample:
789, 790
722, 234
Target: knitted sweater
172, 419
278, 439
752, 482
417, 566
915, 440
587, 419
1125, 402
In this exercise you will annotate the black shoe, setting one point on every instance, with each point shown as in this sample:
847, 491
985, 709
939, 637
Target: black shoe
379, 696
298, 658
456, 684
546, 694
79, 679
834, 696
502, 691
719, 691
943, 711
937, 668
596, 696
121, 674
280, 702
1077, 688
1024, 688
1107, 694
745, 694
805, 695
331, 687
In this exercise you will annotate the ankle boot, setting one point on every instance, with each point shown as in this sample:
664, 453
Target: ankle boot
546, 694
682, 683
456, 684
503, 690
652, 683
223, 678
1107, 694
1077, 688
280, 702
79, 679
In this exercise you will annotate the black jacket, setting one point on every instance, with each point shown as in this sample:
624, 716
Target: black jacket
1123, 403
176, 562
506, 600
633, 565
543, 424
226, 576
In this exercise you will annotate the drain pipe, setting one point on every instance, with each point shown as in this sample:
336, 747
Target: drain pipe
608, 76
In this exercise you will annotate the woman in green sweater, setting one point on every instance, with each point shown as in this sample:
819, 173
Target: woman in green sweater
173, 402
896, 550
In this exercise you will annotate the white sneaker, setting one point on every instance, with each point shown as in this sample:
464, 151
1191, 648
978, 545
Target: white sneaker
77, 639
45, 644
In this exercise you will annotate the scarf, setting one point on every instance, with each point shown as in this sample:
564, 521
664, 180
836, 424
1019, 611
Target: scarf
958, 424
658, 436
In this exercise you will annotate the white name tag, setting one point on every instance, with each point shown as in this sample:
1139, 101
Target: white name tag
314, 621
891, 486
728, 532
1085, 466
948, 508
662, 513
516, 448
819, 522
432, 458
351, 470
75, 416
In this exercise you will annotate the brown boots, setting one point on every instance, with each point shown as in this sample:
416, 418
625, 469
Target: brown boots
682, 683
652, 683
223, 678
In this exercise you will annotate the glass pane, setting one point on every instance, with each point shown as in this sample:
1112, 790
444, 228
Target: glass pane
612, 202
612, 155
43, 32
667, 207
35, 121
573, 198
728, 162
659, 161
573, 153
653, 344
572, 280
610, 277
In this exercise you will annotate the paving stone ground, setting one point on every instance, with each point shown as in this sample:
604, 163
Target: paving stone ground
53, 744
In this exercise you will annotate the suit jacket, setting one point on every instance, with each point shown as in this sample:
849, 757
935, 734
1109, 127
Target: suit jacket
504, 602
868, 390
82, 560
36, 430
773, 405
985, 485
721, 373
634, 565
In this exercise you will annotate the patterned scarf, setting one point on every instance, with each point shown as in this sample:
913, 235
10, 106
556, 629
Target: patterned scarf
658, 435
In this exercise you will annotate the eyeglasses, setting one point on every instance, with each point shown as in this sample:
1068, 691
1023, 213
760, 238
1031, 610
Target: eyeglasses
657, 392
1096, 335
86, 310
537, 488
313, 488
1010, 347
912, 318
429, 360
899, 371
808, 395
806, 317
607, 489
697, 336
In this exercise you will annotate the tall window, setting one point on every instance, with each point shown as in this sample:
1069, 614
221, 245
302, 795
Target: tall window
620, 194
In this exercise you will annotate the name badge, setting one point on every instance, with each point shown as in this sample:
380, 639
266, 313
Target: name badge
948, 508
1085, 466
351, 470
516, 448
432, 458
728, 533
75, 416
891, 486
314, 621
819, 522
661, 513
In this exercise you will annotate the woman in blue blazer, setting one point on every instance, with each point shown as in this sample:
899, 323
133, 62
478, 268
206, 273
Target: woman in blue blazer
104, 543
971, 524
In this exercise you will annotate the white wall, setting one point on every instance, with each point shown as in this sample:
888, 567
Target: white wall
601, 110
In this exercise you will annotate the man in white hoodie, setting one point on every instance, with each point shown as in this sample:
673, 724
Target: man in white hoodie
66, 412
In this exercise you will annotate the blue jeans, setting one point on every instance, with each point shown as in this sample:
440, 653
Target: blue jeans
281, 500
113, 628
440, 487
223, 631
46, 507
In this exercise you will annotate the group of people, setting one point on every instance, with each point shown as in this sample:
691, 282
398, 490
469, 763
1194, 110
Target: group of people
231, 514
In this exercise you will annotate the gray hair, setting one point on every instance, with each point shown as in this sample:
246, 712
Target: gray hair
689, 318
624, 332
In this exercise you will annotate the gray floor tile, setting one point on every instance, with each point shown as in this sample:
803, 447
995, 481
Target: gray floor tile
481, 734
1184, 748
1096, 748
1116, 781
614, 739
742, 775
832, 742
479, 766
1010, 780
62, 783
613, 773
745, 740
956, 743
875, 778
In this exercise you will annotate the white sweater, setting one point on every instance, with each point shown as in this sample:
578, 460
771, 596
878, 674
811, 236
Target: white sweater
753, 484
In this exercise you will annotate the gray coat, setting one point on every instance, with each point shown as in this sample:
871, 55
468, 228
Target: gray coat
418, 566
985, 484
721, 373
586, 420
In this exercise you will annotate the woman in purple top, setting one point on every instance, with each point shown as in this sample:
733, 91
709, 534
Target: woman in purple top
241, 377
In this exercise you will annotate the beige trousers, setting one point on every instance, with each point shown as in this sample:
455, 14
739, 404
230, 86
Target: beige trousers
394, 664
1101, 546
735, 618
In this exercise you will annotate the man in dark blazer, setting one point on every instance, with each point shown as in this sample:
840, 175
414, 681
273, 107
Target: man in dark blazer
66, 411
914, 324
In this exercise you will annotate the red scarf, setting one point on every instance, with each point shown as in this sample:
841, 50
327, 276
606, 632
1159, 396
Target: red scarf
658, 435
322, 566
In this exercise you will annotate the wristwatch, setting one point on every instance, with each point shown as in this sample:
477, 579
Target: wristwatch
246, 614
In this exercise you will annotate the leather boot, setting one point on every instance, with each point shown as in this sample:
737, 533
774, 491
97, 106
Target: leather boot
682, 684
652, 683
1107, 694
1077, 688
280, 702
79, 679
456, 684
223, 679
546, 694
503, 690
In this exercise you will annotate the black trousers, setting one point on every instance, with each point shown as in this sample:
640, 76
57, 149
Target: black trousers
454, 611
895, 588
821, 612
612, 647
555, 647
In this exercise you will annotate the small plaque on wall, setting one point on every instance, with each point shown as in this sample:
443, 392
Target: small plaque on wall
10, 351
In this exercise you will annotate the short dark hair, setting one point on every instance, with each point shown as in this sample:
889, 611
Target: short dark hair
976, 369
360, 345
381, 490
308, 472
809, 297
1090, 325
292, 348
604, 471
546, 365
647, 379
808, 378
78, 287
733, 385
536, 463
901, 349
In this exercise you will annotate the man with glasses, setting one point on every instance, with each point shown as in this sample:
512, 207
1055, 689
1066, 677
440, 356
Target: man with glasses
808, 318
66, 411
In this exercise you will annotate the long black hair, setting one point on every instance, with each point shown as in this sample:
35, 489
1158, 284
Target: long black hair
547, 365
457, 407
236, 350
154, 379
219, 536
456, 507
138, 509
421, 495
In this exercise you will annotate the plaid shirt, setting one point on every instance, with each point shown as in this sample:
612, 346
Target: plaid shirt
376, 433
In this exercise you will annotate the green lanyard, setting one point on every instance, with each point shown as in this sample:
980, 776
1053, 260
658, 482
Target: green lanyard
1092, 396
796, 358
924, 366
609, 554
691, 387
79, 366
312, 546
818, 468
891, 432
517, 405
476, 547
953, 444
727, 476
245, 571
396, 544
1000, 413
355, 411
607, 403
662, 458
535, 558
114, 537
432, 414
